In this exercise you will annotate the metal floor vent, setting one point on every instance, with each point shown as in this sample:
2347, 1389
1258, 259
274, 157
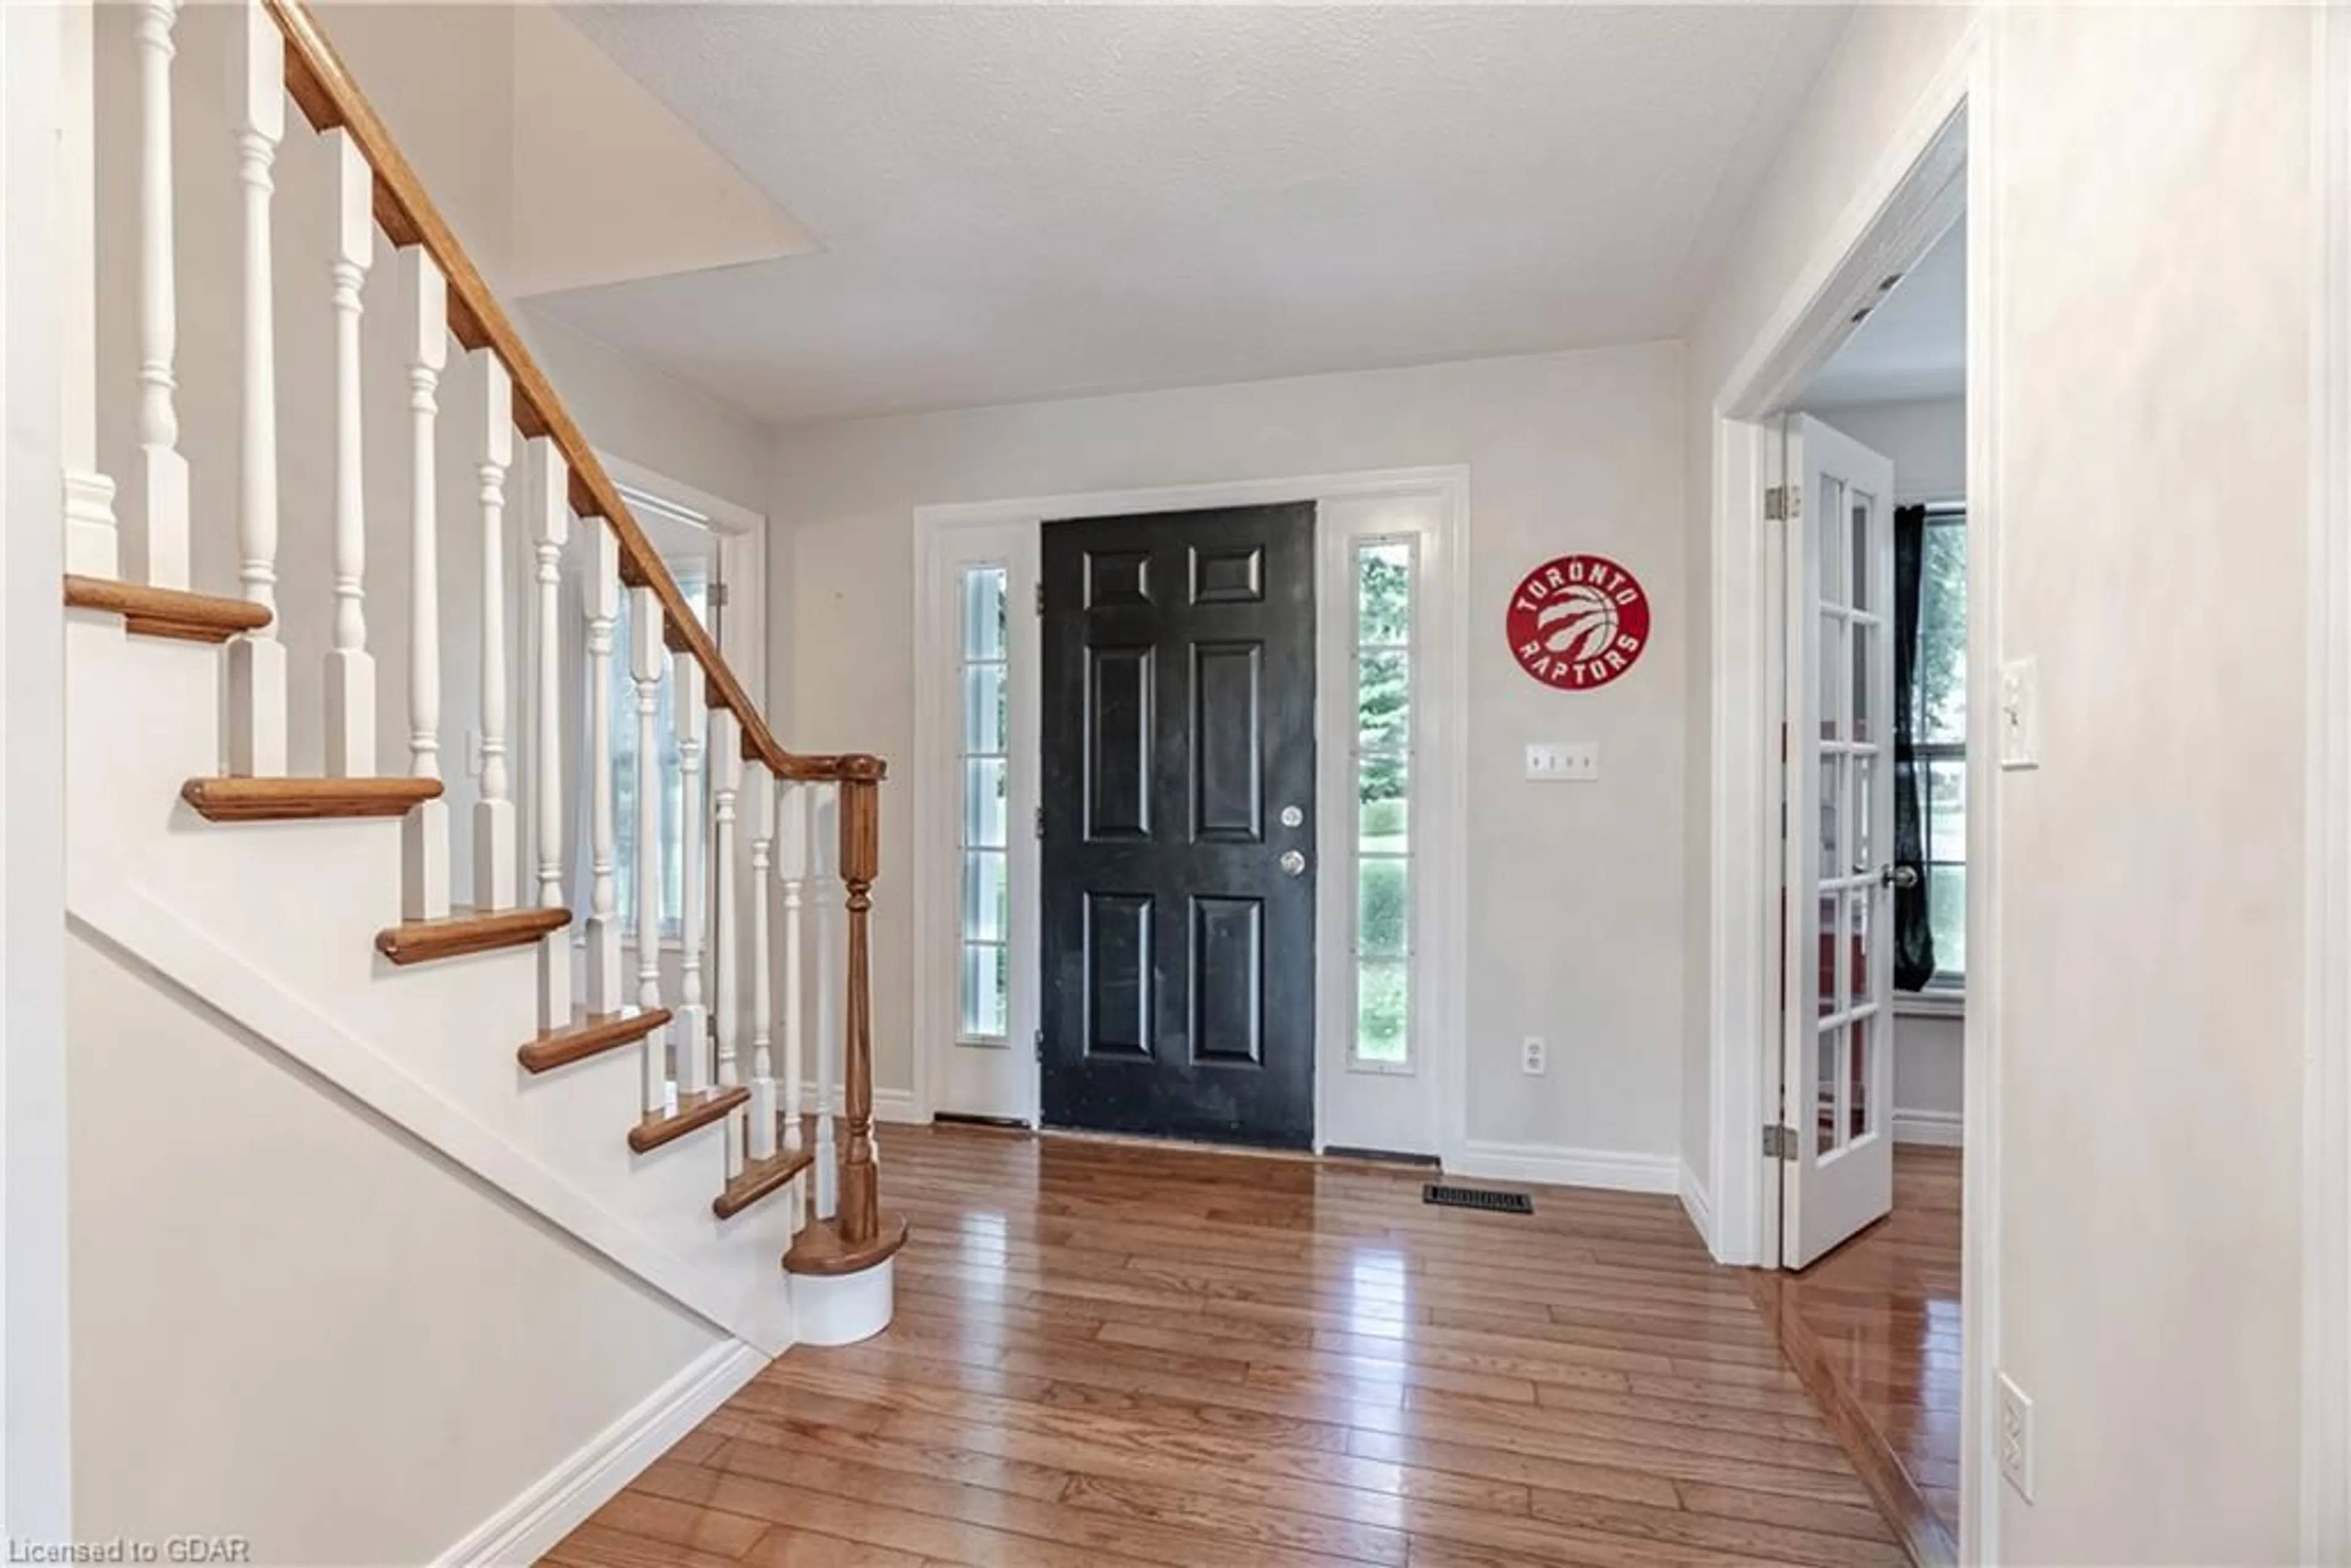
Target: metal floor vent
1476, 1197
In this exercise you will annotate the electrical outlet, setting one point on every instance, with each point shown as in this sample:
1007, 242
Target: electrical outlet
1530, 1056
2015, 1436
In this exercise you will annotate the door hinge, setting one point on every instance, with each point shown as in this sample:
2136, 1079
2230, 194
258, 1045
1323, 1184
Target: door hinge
1781, 502
718, 596
1041, 599
1778, 1143
1040, 822
1041, 1045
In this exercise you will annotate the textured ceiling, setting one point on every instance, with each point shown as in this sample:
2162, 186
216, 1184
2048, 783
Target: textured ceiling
1016, 203
1914, 345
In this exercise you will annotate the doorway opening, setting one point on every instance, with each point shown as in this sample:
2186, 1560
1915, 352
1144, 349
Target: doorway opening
1057, 636
1855, 825
1873, 965
1179, 823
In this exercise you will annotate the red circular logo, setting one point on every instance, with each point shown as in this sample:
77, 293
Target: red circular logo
1578, 621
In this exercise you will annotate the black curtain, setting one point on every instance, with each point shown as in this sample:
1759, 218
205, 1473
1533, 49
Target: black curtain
1914, 937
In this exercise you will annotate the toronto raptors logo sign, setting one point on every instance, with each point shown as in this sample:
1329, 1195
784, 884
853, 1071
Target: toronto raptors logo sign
1578, 621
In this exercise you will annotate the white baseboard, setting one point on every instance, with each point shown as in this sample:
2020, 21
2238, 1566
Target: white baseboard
1554, 1166
1699, 1203
1940, 1128
555, 1504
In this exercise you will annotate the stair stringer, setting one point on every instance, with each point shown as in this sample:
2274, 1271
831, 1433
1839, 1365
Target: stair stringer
272, 926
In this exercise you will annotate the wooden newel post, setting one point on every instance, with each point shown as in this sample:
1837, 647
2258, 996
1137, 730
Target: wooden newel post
860, 854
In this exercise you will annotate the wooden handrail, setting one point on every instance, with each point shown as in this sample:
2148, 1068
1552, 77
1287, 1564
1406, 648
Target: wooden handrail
323, 86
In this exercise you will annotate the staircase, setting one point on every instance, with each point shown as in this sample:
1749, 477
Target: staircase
683, 1125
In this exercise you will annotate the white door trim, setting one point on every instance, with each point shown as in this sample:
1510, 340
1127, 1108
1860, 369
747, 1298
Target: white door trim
742, 564
2326, 1099
1927, 173
36, 1404
1440, 887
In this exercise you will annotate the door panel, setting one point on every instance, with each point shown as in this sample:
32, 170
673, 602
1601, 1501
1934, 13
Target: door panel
1117, 743
1178, 933
1836, 1068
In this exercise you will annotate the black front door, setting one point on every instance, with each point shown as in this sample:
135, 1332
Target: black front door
1179, 791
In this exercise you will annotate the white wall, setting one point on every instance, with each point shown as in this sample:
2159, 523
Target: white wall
2151, 445
1926, 439
554, 166
1574, 893
2154, 536
1929, 1078
294, 1322
630, 410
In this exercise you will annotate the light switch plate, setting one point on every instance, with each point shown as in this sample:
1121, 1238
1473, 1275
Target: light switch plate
1563, 762
2020, 714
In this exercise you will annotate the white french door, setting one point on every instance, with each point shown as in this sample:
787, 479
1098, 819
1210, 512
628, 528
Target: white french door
1837, 1062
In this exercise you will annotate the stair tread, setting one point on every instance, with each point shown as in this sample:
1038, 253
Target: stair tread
820, 1250
463, 931
166, 611
589, 1034
230, 799
761, 1179
693, 1111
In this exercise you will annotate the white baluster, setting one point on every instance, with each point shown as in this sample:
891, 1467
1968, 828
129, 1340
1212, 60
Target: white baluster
692, 1027
726, 781
351, 668
256, 660
647, 656
550, 526
93, 544
607, 992
162, 470
761, 802
792, 870
494, 814
824, 839
424, 841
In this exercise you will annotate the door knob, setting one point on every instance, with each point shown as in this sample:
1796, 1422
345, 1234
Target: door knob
1903, 876
1292, 863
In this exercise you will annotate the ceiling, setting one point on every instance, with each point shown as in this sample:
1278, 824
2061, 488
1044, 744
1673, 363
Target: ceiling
1017, 202
1914, 345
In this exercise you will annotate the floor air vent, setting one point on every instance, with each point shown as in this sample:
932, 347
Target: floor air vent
1476, 1197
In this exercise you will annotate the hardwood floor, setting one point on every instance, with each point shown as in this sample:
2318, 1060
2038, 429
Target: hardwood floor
1874, 1328
1108, 1354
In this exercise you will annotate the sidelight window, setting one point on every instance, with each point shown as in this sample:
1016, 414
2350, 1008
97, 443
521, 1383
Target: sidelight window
984, 837
1382, 1037
692, 581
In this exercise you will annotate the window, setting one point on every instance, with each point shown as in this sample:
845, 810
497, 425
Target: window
1383, 771
1940, 725
624, 696
984, 839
